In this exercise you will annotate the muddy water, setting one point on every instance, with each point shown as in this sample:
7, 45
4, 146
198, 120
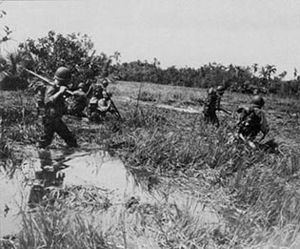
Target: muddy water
90, 168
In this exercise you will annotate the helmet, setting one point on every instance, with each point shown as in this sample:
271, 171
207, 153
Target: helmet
105, 82
220, 89
62, 74
81, 85
258, 100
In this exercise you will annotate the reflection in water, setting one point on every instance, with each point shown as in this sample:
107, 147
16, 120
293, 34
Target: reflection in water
94, 169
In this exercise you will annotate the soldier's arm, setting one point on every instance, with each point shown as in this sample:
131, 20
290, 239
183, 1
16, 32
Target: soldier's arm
52, 94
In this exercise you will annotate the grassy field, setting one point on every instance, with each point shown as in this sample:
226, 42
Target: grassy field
254, 192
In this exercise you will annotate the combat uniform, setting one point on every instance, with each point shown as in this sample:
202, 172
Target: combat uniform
104, 105
79, 103
252, 121
211, 105
52, 120
92, 109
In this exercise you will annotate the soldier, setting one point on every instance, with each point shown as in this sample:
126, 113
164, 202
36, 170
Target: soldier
252, 121
39, 91
104, 104
97, 88
79, 101
213, 104
55, 109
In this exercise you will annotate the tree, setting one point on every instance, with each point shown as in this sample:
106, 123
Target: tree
4, 36
75, 51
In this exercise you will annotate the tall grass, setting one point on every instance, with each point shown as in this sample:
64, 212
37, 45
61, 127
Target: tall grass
255, 193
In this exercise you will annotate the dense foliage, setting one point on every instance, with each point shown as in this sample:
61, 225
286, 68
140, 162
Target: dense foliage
238, 79
75, 51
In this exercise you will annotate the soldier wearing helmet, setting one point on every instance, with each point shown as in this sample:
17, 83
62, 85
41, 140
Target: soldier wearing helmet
213, 104
54, 110
79, 101
98, 88
253, 120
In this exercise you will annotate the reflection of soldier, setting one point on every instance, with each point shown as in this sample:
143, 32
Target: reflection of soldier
47, 177
212, 104
55, 109
79, 101
252, 120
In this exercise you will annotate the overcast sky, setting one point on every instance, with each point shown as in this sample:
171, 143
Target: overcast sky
177, 32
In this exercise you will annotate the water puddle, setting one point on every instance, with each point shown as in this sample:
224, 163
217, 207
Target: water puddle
87, 169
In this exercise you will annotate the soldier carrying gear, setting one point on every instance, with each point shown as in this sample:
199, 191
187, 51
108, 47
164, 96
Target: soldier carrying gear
252, 120
79, 102
55, 109
213, 104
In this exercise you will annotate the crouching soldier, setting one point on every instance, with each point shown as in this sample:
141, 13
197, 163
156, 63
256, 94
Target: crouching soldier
105, 104
79, 102
252, 121
212, 104
55, 109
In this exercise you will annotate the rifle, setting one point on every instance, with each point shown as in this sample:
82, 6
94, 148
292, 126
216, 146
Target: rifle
116, 111
225, 111
43, 79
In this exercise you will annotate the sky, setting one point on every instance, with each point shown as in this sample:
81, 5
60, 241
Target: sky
177, 32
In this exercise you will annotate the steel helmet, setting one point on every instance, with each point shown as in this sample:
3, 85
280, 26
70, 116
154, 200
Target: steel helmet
62, 74
258, 100
105, 82
221, 89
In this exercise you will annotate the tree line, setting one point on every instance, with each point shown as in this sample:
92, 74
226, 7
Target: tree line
248, 79
76, 50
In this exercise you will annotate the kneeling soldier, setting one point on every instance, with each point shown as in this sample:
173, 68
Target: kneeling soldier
253, 120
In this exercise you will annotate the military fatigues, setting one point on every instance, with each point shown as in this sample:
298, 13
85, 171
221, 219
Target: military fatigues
52, 120
252, 121
211, 105
92, 109
96, 90
104, 106
79, 103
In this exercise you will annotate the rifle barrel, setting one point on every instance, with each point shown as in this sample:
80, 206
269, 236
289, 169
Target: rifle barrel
44, 79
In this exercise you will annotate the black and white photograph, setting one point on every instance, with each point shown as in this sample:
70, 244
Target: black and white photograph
149, 124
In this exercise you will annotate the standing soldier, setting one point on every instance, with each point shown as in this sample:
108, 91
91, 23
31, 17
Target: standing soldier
55, 109
252, 121
213, 104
